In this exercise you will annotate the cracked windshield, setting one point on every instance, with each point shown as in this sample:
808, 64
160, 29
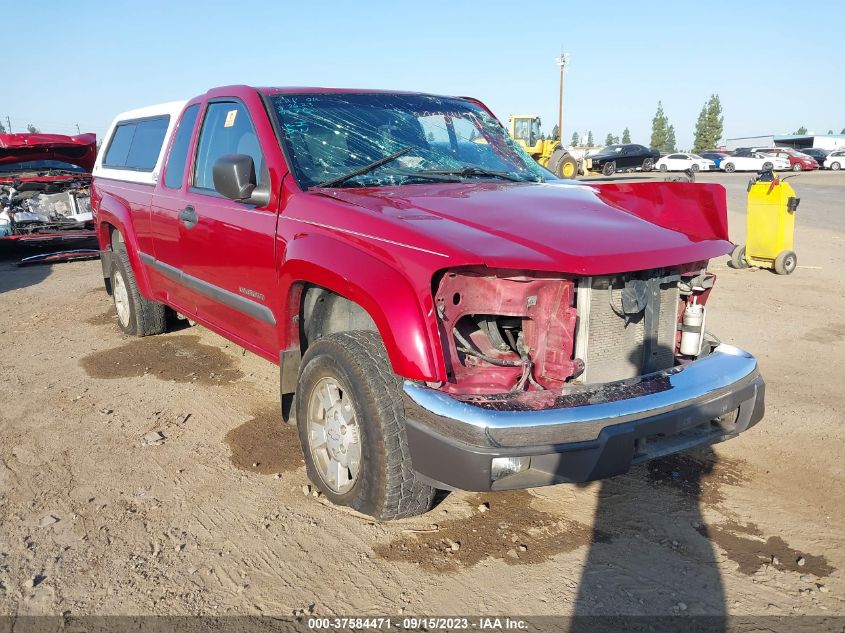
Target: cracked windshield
372, 140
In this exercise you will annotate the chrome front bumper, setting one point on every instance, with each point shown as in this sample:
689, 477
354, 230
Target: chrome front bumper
651, 415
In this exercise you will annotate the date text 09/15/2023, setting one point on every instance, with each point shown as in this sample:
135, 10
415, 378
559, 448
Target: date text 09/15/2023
411, 623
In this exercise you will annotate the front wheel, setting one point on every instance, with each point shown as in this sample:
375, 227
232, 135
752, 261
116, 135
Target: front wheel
730, 168
797, 167
609, 168
767, 167
352, 428
648, 164
695, 167
562, 164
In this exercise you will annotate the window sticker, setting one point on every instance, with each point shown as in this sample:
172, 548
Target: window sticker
230, 118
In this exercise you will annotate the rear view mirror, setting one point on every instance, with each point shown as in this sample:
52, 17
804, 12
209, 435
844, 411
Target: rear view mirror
234, 177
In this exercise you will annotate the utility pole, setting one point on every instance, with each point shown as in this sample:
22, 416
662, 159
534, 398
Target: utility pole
77, 128
8, 124
563, 63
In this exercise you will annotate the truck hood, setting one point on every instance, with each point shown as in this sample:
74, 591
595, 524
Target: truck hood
564, 227
78, 150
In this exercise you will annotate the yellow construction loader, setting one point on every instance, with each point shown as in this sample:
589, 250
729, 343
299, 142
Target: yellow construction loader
525, 130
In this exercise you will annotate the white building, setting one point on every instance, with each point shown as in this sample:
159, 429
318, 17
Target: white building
797, 141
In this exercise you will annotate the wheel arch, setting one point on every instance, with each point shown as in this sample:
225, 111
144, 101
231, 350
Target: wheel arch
334, 286
114, 216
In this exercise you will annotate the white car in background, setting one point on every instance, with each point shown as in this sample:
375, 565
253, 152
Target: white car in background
682, 162
754, 162
835, 160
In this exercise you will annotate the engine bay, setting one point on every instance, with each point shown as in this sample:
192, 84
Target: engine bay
44, 204
512, 332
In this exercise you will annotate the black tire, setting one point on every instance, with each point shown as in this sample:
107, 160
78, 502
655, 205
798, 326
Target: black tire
797, 167
144, 317
738, 257
664, 168
568, 168
695, 167
648, 164
768, 166
785, 263
562, 165
835, 166
730, 168
385, 486
609, 168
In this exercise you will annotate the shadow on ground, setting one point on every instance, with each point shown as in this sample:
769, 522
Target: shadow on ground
658, 559
14, 277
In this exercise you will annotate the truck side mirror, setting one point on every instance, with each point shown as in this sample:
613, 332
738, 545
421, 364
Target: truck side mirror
234, 178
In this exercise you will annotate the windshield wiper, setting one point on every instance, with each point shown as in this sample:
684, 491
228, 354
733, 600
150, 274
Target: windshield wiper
366, 168
473, 171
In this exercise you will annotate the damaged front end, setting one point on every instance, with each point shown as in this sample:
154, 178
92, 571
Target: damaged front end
512, 333
45, 184
558, 378
36, 208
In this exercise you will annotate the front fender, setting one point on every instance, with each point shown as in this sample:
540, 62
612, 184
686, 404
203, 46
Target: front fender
114, 212
401, 311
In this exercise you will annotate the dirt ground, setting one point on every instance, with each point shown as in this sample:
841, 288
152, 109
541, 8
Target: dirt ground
152, 476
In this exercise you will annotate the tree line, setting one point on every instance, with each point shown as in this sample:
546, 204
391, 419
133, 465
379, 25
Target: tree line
708, 130
29, 128
708, 127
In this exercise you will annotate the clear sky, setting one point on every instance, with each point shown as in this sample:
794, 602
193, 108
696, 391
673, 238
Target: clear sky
776, 65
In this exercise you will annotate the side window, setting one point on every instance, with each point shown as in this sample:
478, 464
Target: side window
174, 172
119, 147
136, 145
675, 157
226, 129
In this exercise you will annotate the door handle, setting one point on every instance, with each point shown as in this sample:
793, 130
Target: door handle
189, 217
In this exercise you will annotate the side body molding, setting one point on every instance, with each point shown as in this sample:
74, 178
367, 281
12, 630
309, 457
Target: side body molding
235, 301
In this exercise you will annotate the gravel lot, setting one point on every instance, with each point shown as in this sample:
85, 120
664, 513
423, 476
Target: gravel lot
150, 476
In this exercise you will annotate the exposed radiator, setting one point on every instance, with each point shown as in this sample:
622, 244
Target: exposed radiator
615, 346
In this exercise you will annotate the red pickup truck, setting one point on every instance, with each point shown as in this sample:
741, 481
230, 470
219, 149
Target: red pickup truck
445, 312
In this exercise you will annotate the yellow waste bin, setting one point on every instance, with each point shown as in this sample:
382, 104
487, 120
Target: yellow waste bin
770, 226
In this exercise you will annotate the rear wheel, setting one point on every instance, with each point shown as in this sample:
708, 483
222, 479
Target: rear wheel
786, 263
835, 166
136, 315
609, 168
730, 168
351, 425
664, 168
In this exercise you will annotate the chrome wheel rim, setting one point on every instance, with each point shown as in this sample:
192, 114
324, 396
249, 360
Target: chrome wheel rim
334, 438
121, 299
